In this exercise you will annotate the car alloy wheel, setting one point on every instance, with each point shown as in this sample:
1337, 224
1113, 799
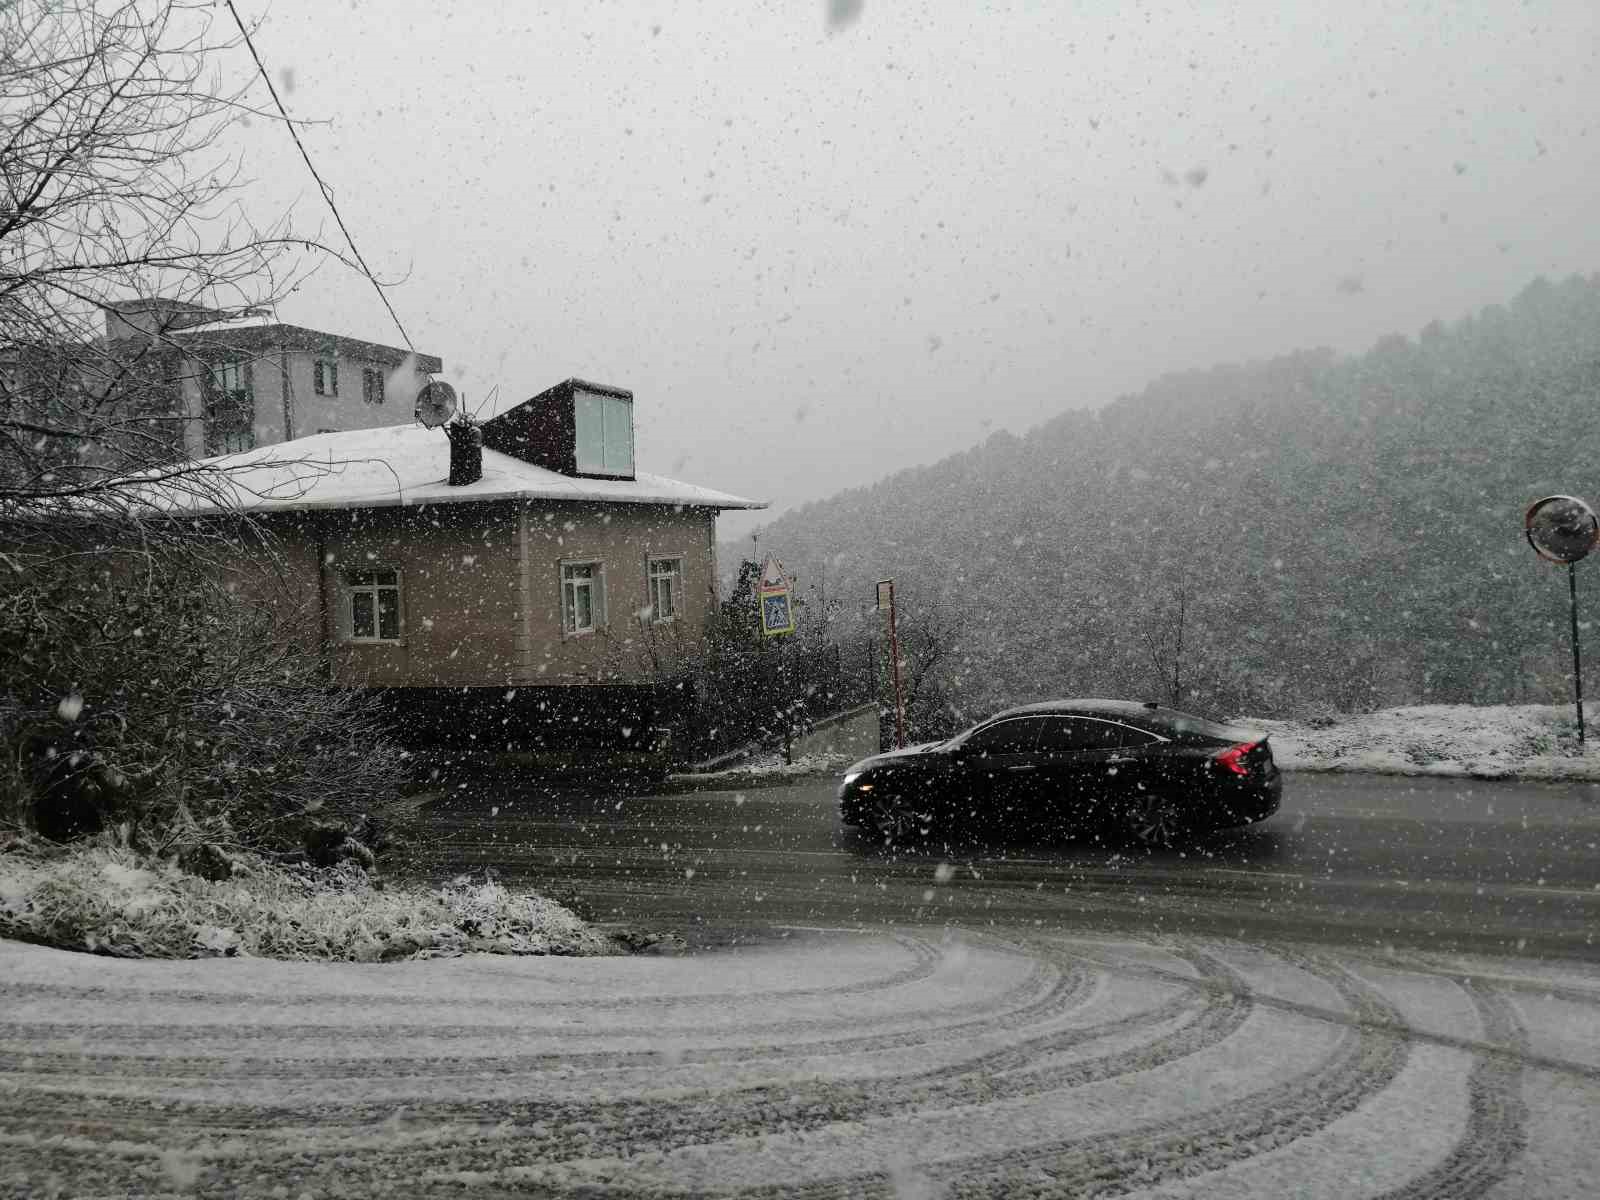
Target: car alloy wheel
897, 822
1152, 818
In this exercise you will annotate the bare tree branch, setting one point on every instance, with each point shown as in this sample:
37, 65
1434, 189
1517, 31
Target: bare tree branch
115, 186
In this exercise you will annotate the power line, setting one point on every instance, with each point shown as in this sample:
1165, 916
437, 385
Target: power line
327, 193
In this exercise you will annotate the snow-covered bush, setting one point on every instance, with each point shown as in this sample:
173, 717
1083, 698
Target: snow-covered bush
110, 900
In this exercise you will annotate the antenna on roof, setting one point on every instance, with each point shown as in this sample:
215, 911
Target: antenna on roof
487, 401
436, 403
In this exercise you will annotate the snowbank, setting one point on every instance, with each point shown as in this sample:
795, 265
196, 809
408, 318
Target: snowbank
1528, 741
110, 901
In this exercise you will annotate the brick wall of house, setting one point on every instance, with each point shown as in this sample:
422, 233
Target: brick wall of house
284, 575
481, 590
631, 647
458, 566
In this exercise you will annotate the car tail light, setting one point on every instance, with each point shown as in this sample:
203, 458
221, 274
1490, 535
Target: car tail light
1232, 759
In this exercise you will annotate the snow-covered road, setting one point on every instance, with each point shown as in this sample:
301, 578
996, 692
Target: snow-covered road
899, 1063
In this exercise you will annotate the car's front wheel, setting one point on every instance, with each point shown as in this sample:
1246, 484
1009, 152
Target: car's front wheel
897, 821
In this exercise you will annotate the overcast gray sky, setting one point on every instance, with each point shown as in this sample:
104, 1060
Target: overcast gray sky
822, 251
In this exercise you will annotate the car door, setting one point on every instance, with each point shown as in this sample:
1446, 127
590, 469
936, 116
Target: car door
1141, 763
1083, 762
993, 782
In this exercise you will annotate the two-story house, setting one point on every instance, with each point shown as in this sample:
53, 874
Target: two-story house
558, 597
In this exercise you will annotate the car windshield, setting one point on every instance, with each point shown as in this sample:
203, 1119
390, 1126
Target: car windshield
821, 598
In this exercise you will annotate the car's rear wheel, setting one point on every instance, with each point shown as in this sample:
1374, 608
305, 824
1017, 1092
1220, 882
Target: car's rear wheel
1152, 818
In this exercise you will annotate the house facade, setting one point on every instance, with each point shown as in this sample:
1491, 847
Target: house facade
241, 383
514, 592
170, 381
529, 608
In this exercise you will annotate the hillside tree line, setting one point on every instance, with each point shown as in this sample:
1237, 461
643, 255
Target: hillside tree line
1301, 534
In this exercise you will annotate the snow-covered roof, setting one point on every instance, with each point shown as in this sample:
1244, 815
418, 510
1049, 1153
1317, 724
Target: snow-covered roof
251, 320
405, 465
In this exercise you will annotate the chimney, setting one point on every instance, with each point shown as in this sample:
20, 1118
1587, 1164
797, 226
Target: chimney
466, 452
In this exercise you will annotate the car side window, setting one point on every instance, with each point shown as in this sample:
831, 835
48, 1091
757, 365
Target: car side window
1070, 735
1020, 735
1132, 738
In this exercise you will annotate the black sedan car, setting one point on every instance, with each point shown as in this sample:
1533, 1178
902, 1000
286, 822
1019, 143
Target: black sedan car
1068, 766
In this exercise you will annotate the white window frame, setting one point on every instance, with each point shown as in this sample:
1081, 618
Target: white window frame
595, 584
672, 575
605, 404
349, 590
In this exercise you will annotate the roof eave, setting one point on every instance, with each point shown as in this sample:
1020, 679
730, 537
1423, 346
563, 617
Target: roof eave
298, 337
269, 507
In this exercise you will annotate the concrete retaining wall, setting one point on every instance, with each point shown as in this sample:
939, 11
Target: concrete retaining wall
853, 732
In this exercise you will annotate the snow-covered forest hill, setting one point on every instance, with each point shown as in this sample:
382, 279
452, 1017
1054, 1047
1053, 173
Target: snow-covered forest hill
1337, 532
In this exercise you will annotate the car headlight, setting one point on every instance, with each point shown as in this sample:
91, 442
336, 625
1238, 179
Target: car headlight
852, 776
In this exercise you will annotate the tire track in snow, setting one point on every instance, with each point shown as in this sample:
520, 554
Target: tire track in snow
1149, 1154
1046, 991
544, 1129
973, 1079
1496, 1133
1049, 991
925, 961
1065, 1029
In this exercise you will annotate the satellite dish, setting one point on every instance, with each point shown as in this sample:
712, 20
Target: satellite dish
436, 403
1561, 528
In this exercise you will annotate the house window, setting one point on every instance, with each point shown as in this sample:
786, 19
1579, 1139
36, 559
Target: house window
583, 597
604, 434
666, 587
371, 386
325, 376
230, 408
372, 605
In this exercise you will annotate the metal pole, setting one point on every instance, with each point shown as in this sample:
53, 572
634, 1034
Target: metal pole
1577, 664
894, 658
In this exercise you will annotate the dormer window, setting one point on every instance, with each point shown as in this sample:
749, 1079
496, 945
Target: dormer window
576, 428
604, 429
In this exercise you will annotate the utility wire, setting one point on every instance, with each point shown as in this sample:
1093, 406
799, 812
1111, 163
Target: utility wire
327, 192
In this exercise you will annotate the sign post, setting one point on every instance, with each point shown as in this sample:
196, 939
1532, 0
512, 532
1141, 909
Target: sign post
886, 602
1563, 529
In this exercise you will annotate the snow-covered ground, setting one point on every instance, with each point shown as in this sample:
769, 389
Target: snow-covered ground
910, 1063
1527, 741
